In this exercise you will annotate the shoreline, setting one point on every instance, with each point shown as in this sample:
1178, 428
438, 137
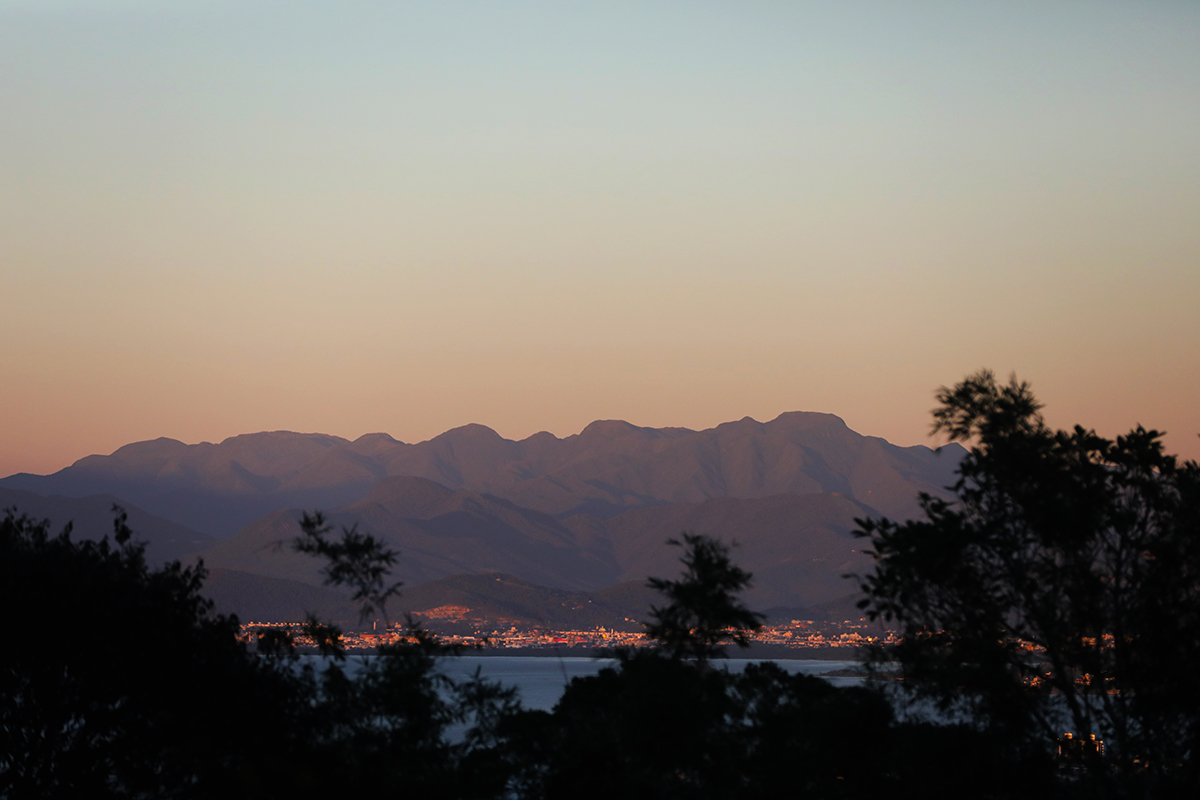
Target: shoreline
753, 653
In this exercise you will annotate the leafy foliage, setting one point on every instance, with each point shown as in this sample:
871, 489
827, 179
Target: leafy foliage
150, 694
662, 723
153, 695
356, 559
397, 720
1060, 591
702, 613
654, 726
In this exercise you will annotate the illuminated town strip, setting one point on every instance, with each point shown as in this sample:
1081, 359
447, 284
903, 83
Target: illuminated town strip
797, 634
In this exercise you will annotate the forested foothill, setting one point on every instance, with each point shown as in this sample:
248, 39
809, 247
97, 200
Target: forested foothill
1058, 591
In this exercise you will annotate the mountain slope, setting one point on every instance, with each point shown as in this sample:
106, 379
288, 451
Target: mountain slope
439, 532
258, 598
92, 518
798, 547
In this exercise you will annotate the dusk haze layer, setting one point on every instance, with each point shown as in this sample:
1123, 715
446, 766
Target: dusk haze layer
223, 218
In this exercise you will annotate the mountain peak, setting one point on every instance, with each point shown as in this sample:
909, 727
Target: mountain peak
377, 438
472, 430
142, 456
162, 446
809, 419
323, 439
749, 423
614, 427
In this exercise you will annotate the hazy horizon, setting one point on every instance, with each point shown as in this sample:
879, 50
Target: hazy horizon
225, 218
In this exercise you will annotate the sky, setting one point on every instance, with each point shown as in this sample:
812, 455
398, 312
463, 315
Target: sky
225, 217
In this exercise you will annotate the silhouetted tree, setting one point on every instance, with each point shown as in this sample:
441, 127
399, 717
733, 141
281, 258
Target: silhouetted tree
396, 723
354, 559
117, 680
702, 612
660, 724
1059, 591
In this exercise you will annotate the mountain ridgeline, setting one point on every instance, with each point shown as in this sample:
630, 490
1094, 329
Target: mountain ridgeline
579, 513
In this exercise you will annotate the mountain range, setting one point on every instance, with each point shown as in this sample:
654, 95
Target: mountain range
575, 514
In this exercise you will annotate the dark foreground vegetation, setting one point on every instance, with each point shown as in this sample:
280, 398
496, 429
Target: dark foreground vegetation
1060, 592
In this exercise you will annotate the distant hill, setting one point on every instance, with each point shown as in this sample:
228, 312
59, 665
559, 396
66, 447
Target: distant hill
839, 609
496, 599
502, 599
606, 469
439, 532
216, 488
92, 518
258, 598
799, 547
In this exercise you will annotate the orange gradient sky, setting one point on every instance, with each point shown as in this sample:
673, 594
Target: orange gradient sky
220, 218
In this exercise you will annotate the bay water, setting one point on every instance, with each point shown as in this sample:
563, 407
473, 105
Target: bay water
541, 680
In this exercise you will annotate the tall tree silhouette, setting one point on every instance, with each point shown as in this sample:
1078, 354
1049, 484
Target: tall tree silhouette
397, 719
1059, 591
664, 723
702, 613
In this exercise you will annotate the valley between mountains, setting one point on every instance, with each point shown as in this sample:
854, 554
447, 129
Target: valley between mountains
540, 529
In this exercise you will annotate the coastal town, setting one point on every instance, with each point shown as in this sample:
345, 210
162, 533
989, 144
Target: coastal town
808, 638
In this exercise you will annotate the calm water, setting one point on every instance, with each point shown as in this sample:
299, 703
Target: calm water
541, 680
